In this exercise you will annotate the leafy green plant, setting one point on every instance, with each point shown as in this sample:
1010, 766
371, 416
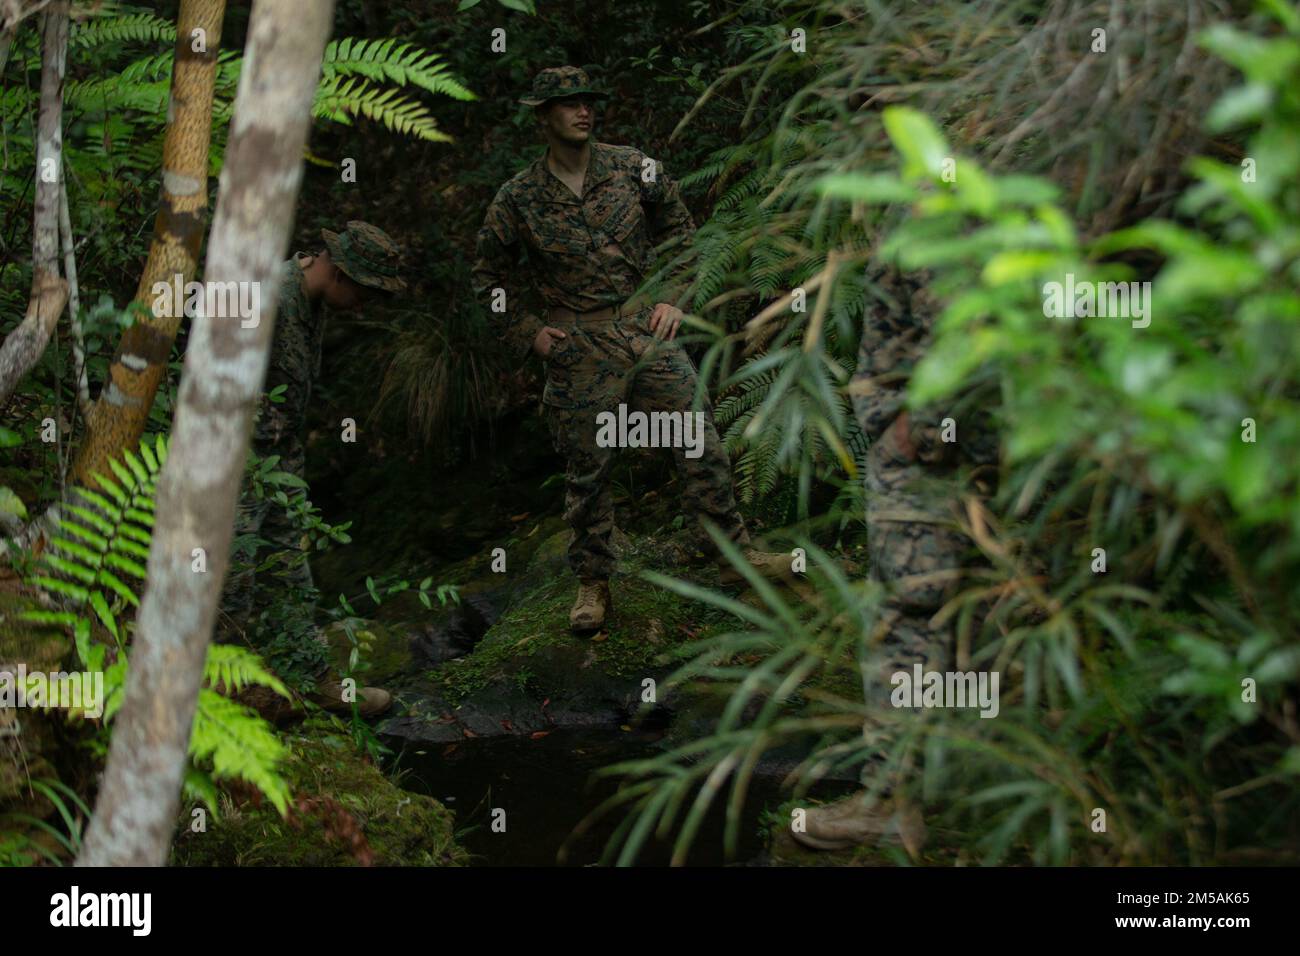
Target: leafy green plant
101, 541
763, 445
1156, 689
441, 368
100, 544
354, 74
19, 849
783, 669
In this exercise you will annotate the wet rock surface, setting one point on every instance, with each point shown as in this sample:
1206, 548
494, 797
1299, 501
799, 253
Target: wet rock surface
497, 704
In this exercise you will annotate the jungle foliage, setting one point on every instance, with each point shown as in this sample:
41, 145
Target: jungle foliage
1122, 690
1158, 686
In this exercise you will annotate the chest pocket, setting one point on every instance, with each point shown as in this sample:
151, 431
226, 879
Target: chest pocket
579, 233
622, 220
559, 235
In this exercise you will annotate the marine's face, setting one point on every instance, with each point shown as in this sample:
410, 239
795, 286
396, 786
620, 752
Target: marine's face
570, 119
343, 294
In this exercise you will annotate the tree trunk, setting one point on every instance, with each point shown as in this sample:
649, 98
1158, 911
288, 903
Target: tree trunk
6, 42
74, 300
25, 345
122, 410
13, 12
225, 365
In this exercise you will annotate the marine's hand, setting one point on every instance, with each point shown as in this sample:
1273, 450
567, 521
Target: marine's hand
664, 321
903, 436
546, 338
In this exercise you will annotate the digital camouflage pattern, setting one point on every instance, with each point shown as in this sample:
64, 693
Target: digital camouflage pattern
584, 255
915, 546
367, 255
578, 254
279, 430
560, 81
594, 369
371, 258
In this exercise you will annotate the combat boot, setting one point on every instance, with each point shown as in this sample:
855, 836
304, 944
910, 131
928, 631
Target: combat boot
853, 822
589, 610
774, 567
371, 701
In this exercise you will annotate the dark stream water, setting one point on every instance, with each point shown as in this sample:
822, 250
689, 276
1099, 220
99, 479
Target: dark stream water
547, 787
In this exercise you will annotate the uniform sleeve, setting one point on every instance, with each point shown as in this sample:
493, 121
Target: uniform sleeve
885, 354
499, 265
896, 334
669, 223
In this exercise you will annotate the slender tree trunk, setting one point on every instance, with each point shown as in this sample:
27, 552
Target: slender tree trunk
74, 299
6, 41
225, 365
13, 12
120, 414
25, 345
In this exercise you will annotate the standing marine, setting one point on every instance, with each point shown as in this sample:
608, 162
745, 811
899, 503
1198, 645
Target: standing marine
920, 466
582, 227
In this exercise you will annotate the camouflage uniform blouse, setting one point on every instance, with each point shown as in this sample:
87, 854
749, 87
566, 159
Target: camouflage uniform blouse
582, 254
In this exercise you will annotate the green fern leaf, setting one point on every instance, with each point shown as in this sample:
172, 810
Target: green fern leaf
240, 745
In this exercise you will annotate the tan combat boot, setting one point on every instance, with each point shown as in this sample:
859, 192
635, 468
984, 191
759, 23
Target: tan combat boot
371, 701
853, 822
589, 610
774, 567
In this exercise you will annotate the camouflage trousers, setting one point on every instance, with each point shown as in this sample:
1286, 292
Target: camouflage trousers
596, 368
916, 550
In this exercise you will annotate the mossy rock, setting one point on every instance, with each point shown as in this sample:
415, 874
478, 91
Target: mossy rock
385, 651
531, 643
941, 849
345, 812
529, 673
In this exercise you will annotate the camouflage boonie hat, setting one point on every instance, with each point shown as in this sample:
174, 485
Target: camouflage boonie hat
558, 81
367, 255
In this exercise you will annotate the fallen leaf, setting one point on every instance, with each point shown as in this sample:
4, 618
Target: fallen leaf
538, 734
508, 727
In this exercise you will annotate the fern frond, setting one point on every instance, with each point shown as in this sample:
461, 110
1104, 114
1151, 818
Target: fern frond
135, 28
240, 745
342, 100
198, 786
236, 667
744, 188
380, 60
111, 96
104, 538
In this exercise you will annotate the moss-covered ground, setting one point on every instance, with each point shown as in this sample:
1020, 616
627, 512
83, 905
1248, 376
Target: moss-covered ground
345, 811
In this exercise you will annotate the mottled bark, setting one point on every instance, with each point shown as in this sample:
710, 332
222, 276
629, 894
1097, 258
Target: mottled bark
25, 345
122, 410
6, 43
74, 299
13, 12
225, 365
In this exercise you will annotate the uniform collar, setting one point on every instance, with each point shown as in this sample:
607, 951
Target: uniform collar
599, 169
295, 269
